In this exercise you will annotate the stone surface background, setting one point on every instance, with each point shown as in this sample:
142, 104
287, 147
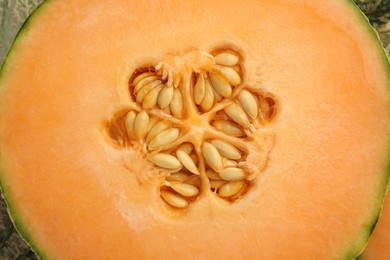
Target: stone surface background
12, 15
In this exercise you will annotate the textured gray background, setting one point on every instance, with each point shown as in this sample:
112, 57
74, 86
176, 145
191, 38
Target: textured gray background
12, 15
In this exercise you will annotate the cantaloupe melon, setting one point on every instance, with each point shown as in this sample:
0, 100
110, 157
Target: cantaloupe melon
195, 129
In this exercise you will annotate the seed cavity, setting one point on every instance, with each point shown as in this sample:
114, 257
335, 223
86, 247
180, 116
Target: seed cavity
192, 116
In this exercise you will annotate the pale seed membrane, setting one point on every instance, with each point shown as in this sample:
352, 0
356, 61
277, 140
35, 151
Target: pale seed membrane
229, 163
216, 184
212, 175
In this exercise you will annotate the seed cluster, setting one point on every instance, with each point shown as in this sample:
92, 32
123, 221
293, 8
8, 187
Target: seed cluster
195, 117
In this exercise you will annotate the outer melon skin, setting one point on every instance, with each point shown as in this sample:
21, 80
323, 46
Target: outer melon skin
22, 228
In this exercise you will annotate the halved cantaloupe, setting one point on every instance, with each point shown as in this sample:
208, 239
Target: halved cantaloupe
195, 130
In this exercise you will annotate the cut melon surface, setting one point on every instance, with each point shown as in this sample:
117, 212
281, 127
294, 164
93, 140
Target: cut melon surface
307, 172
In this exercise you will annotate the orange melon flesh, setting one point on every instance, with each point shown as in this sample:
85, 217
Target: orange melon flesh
72, 197
378, 247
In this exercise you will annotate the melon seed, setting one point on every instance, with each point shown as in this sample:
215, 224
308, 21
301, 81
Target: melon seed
248, 103
186, 147
220, 84
145, 90
142, 76
151, 98
212, 156
232, 174
199, 89
176, 105
166, 161
237, 114
230, 75
144, 82
208, 99
229, 128
187, 161
178, 176
231, 188
184, 189
129, 122
165, 97
226, 59
141, 123
226, 149
164, 138
156, 129
174, 200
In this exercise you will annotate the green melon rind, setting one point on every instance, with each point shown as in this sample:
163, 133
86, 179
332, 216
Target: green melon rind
19, 226
356, 249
